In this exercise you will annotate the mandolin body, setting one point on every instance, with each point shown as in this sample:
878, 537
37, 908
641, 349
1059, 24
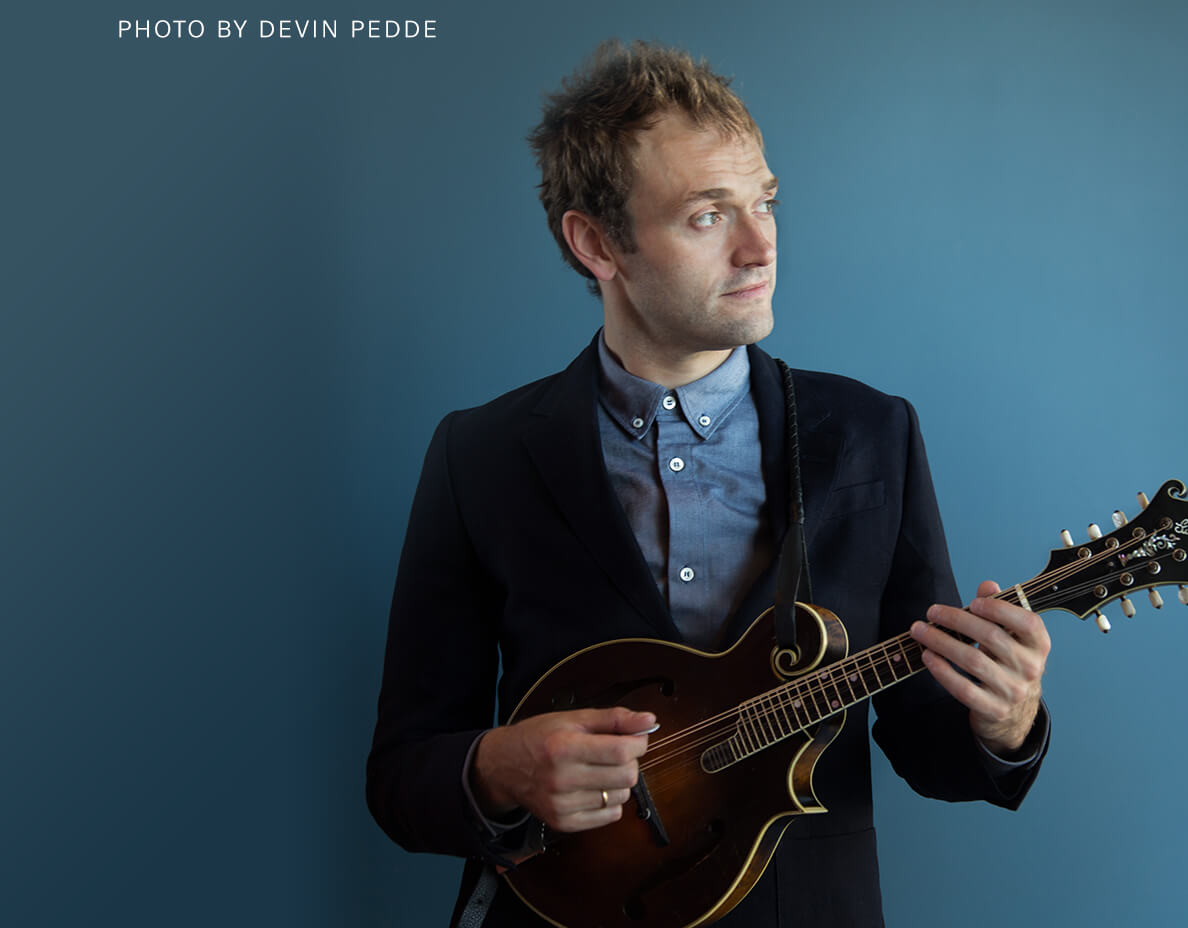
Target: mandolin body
721, 827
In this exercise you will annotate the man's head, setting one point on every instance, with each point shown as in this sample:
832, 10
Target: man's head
657, 190
588, 136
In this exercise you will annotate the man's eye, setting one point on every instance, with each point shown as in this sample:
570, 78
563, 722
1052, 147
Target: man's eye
707, 219
769, 205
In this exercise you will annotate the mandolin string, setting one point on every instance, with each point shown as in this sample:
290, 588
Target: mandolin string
731, 715
775, 707
806, 689
770, 705
1076, 566
1042, 597
775, 703
861, 668
1040, 582
672, 771
663, 764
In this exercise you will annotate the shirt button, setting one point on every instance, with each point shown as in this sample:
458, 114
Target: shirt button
676, 464
669, 402
637, 423
687, 574
703, 421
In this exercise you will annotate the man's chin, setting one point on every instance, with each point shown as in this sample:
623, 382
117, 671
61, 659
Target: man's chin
743, 332
758, 327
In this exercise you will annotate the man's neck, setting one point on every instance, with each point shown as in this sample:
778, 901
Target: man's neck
669, 369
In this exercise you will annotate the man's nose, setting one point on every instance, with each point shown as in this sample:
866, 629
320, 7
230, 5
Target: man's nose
755, 245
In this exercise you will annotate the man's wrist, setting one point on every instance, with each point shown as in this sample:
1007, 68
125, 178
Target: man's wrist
494, 804
1002, 759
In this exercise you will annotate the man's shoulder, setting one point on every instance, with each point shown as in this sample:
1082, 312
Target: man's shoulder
842, 390
510, 413
821, 395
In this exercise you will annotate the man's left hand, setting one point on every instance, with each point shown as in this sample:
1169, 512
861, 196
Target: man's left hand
1005, 659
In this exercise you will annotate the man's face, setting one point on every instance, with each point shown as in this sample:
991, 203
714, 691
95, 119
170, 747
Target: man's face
703, 272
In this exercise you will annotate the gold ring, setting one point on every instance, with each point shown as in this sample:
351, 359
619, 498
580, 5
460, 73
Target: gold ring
605, 799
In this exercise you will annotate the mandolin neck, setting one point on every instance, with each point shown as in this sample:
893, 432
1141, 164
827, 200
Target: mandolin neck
794, 706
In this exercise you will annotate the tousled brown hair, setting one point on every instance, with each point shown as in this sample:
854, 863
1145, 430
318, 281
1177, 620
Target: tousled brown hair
585, 142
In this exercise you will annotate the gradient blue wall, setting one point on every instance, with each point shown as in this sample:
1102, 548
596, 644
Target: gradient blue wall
243, 280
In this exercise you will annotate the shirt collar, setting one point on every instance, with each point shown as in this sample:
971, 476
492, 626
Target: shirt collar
705, 403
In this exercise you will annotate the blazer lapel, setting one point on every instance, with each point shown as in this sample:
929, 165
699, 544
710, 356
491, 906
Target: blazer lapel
564, 444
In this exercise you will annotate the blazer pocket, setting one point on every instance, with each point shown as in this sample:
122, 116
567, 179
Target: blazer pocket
856, 498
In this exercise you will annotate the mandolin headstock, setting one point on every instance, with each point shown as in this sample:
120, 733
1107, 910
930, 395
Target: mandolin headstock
1148, 551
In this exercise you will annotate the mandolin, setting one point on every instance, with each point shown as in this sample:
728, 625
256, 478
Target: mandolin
743, 729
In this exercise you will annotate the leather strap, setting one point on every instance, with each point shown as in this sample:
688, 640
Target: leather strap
480, 899
792, 582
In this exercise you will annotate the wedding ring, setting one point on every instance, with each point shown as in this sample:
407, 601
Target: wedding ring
605, 799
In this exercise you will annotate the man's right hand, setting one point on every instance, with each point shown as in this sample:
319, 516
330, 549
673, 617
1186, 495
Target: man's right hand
562, 765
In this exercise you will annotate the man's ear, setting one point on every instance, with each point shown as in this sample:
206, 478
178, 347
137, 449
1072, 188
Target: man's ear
589, 244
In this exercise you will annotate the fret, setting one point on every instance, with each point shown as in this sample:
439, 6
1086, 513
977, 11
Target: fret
811, 693
910, 651
781, 700
757, 720
850, 676
838, 702
773, 715
747, 730
770, 719
796, 703
856, 667
874, 667
743, 734
761, 722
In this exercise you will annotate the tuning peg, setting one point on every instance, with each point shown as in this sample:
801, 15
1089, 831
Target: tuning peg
1184, 594
1066, 537
1102, 622
1156, 599
1143, 501
1119, 518
1094, 531
1127, 608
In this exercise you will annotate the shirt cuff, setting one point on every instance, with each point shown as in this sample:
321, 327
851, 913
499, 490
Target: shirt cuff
492, 828
1029, 751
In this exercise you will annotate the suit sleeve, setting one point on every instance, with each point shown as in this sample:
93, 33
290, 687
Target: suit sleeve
924, 731
440, 666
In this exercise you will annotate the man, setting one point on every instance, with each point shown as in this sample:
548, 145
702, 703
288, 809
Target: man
642, 493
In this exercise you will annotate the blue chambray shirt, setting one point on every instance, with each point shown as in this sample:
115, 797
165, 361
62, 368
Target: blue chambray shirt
685, 465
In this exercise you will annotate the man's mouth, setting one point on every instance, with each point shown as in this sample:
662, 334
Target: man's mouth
751, 289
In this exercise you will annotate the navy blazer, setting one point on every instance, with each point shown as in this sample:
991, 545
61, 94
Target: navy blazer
518, 550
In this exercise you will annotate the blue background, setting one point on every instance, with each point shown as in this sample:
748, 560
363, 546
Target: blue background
242, 281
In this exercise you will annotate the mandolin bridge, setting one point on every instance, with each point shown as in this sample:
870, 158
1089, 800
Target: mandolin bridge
646, 809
